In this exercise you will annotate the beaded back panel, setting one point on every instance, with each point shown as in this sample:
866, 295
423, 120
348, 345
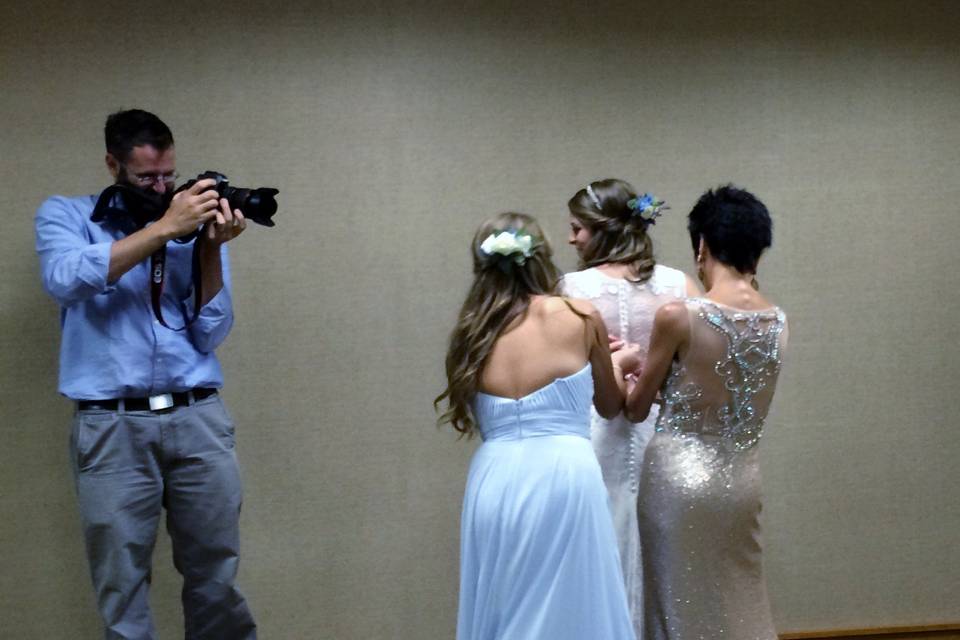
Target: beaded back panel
723, 385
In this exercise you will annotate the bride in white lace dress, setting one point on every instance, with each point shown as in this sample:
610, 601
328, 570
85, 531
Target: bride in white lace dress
609, 225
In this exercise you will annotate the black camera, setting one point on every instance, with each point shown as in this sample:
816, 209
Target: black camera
258, 205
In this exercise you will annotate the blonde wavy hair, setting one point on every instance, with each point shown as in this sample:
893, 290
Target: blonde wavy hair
617, 236
498, 296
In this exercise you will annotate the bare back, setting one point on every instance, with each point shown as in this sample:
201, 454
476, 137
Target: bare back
550, 342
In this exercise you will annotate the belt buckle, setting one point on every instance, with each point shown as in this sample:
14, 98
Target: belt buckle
161, 402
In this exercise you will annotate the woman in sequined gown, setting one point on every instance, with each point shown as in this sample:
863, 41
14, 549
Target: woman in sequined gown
621, 278
715, 360
538, 557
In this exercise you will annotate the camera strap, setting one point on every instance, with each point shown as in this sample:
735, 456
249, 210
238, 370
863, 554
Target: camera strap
157, 271
129, 209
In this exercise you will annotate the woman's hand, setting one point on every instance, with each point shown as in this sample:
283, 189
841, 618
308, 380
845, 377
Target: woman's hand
670, 330
627, 359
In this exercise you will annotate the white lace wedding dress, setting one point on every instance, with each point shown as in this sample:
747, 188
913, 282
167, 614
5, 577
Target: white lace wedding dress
628, 310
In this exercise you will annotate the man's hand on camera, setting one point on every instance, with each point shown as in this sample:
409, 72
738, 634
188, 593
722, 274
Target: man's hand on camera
226, 225
190, 209
223, 227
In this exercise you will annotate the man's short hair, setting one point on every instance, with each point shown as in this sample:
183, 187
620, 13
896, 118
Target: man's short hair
134, 128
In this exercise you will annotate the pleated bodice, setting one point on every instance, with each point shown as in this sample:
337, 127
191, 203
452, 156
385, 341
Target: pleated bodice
562, 407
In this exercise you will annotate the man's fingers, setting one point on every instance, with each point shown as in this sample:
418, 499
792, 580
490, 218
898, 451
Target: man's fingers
205, 205
224, 224
201, 185
208, 197
225, 211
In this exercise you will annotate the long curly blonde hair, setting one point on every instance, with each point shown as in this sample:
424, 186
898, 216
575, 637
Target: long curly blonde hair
499, 295
617, 236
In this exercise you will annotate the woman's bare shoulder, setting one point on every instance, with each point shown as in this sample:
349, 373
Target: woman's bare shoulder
576, 305
576, 312
672, 318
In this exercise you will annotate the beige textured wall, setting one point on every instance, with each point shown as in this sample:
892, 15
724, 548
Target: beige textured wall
392, 130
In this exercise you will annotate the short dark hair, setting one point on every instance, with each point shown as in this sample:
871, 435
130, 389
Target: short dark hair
134, 128
735, 225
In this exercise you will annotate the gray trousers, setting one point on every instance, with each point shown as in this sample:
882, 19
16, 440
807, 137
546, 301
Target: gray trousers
129, 465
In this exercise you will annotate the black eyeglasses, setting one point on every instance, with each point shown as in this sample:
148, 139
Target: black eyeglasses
150, 179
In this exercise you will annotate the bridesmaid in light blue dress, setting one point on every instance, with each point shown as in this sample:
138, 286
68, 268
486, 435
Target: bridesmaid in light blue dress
538, 551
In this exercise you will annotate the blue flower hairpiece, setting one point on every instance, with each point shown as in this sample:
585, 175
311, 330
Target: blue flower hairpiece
647, 207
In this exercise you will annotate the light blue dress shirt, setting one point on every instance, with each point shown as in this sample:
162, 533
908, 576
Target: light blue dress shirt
112, 346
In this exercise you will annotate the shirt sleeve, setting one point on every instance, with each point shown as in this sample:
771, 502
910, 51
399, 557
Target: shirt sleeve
72, 268
215, 319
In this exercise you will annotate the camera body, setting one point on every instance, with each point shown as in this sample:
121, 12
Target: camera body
257, 205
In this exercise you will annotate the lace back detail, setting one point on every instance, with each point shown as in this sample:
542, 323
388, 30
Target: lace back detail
627, 307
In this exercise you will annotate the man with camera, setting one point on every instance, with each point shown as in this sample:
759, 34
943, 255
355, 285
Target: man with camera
150, 430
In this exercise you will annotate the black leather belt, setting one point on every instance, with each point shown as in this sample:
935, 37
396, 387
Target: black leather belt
176, 399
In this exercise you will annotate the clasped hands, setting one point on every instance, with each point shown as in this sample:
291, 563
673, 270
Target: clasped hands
626, 357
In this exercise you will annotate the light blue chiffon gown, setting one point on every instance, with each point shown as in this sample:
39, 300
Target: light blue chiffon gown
538, 553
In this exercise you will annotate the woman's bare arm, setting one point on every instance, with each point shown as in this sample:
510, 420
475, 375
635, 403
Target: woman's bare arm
671, 328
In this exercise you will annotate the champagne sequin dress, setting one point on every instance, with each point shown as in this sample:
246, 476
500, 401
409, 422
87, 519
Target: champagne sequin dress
700, 489
627, 309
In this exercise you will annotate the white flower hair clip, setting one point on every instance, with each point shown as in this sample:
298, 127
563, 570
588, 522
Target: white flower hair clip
513, 246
